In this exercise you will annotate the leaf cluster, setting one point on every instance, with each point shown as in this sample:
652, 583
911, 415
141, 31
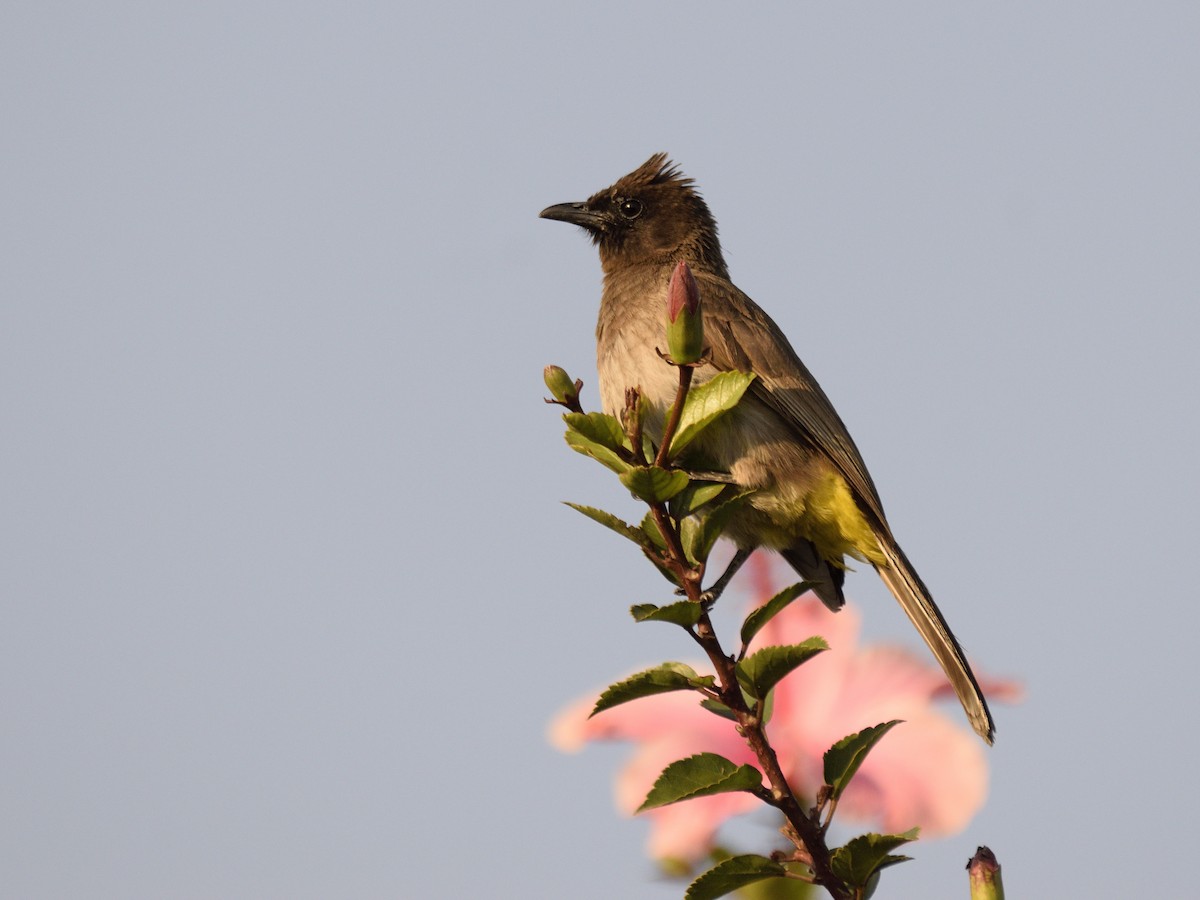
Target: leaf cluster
687, 512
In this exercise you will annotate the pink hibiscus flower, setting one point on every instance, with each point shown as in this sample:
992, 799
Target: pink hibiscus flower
929, 771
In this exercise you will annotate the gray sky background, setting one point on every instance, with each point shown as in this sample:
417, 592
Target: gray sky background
287, 595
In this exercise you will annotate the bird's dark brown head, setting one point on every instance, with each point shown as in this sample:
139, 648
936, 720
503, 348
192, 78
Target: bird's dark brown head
651, 216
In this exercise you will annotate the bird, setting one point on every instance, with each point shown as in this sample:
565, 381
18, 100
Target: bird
811, 497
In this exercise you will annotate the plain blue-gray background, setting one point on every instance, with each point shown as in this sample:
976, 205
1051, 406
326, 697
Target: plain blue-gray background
287, 593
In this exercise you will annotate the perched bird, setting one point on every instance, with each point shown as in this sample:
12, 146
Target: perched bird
814, 501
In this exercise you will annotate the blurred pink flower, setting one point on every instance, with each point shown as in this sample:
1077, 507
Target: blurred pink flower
930, 771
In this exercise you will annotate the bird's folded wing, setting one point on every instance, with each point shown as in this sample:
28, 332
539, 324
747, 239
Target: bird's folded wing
737, 333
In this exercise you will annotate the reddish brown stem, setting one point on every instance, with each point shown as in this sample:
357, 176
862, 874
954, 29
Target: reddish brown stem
800, 827
804, 831
685, 381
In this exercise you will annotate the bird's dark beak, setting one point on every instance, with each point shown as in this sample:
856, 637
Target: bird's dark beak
576, 214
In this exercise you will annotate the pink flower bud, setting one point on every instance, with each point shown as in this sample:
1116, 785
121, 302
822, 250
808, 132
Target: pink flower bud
685, 328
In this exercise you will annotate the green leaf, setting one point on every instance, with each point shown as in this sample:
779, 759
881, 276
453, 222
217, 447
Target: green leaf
689, 538
649, 448
706, 403
699, 533
779, 889
765, 613
670, 676
603, 455
684, 612
608, 520
700, 776
652, 484
717, 708
890, 860
602, 429
768, 708
866, 854
761, 671
735, 872
843, 758
694, 496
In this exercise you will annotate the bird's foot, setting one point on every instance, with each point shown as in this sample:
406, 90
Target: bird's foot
708, 598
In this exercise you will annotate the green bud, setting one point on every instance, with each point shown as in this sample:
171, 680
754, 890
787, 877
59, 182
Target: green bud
685, 328
562, 388
984, 872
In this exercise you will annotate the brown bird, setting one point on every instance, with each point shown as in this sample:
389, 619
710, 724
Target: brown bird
814, 501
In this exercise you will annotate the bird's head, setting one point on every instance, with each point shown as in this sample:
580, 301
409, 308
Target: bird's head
653, 215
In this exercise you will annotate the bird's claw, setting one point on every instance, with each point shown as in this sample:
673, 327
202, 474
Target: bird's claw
707, 598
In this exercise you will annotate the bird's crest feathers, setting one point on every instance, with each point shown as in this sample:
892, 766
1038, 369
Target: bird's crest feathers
658, 169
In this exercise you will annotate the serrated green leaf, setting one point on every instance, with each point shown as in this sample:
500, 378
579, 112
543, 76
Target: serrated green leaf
761, 671
600, 428
866, 854
843, 758
608, 520
693, 497
603, 455
735, 872
700, 776
683, 612
670, 676
652, 484
706, 403
765, 613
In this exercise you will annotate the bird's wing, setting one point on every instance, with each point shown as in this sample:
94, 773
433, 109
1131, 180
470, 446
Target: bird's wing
745, 338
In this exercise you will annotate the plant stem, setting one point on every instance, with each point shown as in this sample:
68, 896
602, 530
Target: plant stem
685, 381
802, 830
800, 827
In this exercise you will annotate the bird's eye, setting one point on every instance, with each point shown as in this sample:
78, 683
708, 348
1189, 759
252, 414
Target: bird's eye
630, 208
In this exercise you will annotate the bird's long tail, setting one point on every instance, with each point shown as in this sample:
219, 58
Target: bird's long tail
906, 586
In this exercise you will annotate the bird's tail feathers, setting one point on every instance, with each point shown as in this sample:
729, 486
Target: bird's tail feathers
904, 583
826, 579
